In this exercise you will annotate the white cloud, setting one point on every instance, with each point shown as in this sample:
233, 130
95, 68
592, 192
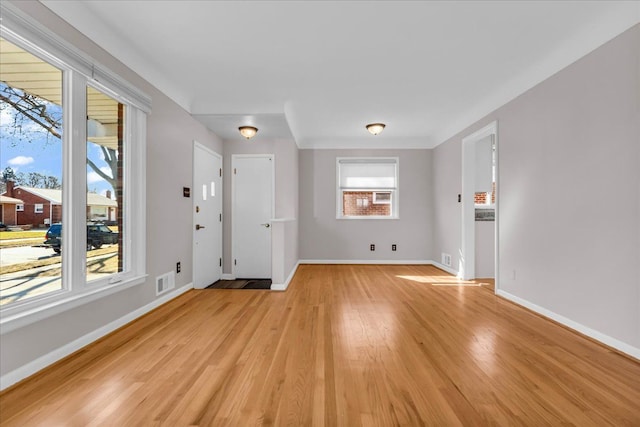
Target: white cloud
93, 177
20, 161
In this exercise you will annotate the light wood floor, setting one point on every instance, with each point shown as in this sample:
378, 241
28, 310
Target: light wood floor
344, 346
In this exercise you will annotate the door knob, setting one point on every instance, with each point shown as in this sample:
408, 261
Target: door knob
198, 226
266, 225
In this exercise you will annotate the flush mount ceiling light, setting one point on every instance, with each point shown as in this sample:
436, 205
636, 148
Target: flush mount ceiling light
248, 131
375, 128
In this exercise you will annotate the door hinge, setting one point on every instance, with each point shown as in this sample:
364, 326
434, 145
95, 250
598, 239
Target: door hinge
235, 262
220, 217
220, 171
235, 172
220, 262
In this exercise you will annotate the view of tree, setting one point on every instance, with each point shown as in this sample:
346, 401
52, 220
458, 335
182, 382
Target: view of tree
30, 109
32, 179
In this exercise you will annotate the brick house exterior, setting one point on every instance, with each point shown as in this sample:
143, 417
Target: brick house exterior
360, 203
8, 214
42, 207
481, 198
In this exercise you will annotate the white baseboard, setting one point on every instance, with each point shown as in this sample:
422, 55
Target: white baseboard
381, 262
445, 268
227, 277
365, 261
285, 285
598, 336
42, 362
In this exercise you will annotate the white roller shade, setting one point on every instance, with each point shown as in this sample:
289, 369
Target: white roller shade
368, 174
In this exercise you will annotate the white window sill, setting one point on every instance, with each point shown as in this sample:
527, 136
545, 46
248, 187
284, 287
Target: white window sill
367, 217
10, 321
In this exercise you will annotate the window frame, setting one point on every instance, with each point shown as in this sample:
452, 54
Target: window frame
78, 72
394, 203
38, 208
19, 207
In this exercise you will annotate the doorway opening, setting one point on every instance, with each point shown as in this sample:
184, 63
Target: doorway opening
480, 202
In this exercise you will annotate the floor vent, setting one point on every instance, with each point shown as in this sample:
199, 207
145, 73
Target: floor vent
446, 259
165, 283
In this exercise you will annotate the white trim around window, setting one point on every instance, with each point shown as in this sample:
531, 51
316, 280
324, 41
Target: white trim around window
369, 175
79, 72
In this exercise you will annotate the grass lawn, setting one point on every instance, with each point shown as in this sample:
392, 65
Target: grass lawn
8, 235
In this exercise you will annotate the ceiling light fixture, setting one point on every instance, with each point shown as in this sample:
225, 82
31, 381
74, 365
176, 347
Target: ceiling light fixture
248, 131
375, 128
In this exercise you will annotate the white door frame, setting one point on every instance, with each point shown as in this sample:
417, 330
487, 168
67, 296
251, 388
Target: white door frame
233, 202
193, 204
467, 264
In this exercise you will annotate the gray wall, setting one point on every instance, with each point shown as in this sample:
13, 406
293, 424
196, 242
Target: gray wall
170, 132
285, 152
447, 211
568, 192
323, 237
485, 249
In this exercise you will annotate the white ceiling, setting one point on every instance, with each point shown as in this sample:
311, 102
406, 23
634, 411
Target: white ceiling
321, 70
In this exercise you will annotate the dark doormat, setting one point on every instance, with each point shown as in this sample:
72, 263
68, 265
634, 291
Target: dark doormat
241, 284
258, 284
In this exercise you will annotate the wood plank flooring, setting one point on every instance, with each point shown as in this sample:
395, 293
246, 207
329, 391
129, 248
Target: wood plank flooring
346, 345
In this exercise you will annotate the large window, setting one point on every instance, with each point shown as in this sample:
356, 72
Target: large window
31, 129
86, 184
367, 188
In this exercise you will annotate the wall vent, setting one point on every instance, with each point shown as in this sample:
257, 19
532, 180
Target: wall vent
165, 283
446, 259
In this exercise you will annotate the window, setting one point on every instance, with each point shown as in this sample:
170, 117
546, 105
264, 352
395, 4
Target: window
382, 197
367, 188
98, 161
38, 208
20, 208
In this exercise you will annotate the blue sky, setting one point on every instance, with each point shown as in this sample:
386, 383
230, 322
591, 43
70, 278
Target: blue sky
36, 151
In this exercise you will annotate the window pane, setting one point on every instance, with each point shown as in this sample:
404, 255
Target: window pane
31, 183
105, 184
361, 203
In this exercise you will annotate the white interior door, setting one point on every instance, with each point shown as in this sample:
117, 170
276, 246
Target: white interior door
252, 213
207, 216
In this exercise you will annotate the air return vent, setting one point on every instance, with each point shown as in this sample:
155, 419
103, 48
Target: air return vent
165, 283
446, 259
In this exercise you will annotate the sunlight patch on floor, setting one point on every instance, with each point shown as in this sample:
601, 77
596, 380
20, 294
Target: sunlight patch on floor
442, 281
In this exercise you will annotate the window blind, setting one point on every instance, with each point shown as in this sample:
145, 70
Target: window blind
372, 174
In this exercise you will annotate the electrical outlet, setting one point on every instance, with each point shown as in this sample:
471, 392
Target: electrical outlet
178, 267
372, 247
394, 247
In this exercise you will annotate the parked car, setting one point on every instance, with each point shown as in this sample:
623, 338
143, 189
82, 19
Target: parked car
3, 227
97, 235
